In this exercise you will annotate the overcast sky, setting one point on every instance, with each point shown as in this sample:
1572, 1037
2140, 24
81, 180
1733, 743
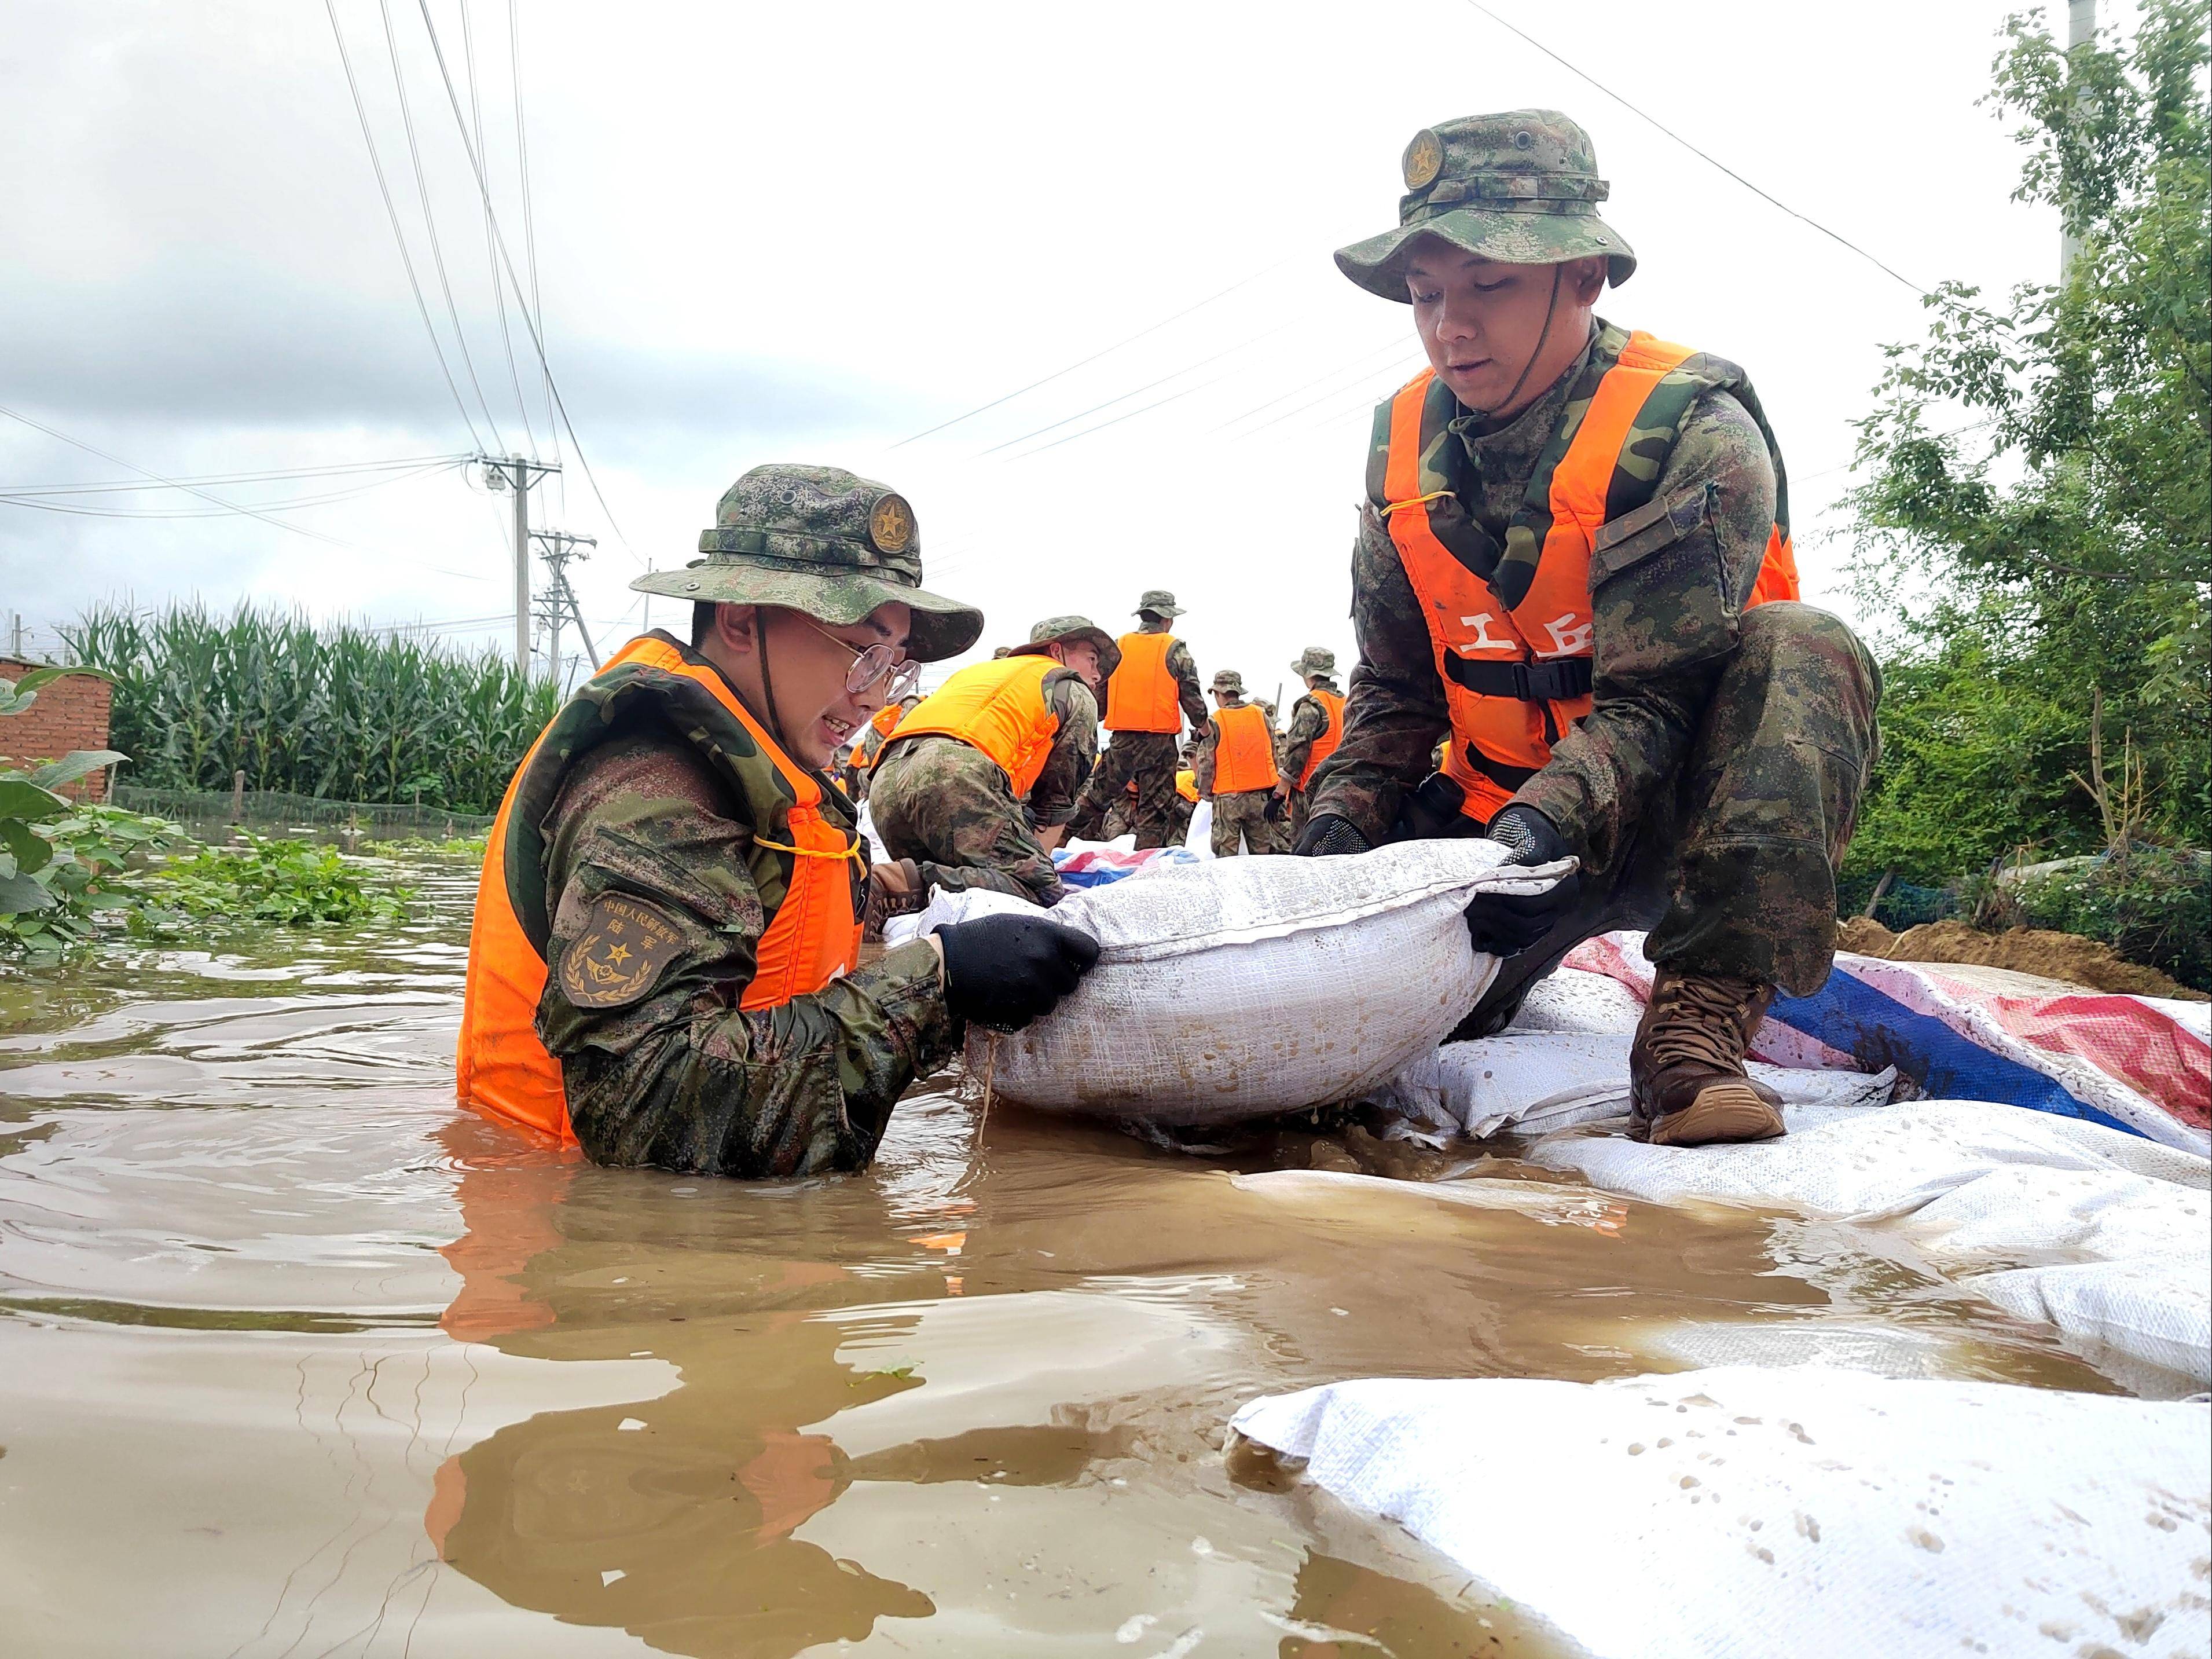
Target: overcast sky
810, 232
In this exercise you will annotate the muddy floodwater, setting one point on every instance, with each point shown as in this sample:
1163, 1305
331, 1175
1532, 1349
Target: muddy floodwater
295, 1360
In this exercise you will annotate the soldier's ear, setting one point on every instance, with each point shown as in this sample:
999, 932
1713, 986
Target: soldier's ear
1586, 279
737, 628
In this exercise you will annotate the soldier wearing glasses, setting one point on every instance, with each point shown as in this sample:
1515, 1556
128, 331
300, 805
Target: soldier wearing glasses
663, 966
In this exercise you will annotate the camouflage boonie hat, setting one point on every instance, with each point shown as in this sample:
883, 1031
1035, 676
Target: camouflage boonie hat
818, 540
1228, 680
1058, 630
1314, 659
1520, 187
1159, 601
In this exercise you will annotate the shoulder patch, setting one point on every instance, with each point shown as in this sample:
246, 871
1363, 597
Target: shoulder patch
619, 952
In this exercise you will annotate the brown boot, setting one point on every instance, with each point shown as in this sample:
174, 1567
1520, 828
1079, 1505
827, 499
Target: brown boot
1687, 1081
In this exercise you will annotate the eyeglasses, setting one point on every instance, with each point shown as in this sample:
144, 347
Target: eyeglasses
874, 664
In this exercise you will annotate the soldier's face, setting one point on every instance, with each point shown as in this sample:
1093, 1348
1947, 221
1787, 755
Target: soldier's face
1484, 323
808, 664
1082, 655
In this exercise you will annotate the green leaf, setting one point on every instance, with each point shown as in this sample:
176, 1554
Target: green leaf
21, 798
32, 850
20, 895
73, 765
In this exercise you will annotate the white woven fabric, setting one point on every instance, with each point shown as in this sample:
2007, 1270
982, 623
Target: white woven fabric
1535, 1081
2107, 1235
1739, 1513
1242, 987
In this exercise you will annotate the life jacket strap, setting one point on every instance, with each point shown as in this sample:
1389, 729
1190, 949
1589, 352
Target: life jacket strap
1560, 680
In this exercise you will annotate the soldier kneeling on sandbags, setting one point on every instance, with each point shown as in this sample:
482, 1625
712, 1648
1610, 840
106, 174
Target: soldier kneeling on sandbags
662, 967
1574, 563
977, 785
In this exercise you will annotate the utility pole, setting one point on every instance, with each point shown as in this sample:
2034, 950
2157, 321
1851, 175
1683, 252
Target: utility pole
561, 598
2081, 30
518, 474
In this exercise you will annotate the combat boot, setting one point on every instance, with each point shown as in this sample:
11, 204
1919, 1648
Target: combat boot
1687, 1086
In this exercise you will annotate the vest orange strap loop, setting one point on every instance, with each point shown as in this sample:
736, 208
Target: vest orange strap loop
853, 851
1389, 508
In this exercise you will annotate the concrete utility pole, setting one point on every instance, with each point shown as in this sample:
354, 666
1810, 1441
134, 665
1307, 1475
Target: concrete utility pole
2081, 30
561, 598
518, 474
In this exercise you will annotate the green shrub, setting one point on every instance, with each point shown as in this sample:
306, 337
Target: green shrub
2154, 906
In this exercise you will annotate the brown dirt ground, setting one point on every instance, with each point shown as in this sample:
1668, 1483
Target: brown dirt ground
2025, 950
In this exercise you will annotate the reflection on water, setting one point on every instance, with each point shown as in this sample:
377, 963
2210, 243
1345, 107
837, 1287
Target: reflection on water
334, 1370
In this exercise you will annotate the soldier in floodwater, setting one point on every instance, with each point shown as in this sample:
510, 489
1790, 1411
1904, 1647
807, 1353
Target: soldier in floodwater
1574, 562
663, 963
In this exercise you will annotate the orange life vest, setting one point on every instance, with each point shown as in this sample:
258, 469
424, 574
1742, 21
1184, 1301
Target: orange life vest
1000, 708
1245, 751
1186, 785
1141, 695
1332, 703
501, 1068
1513, 650
882, 720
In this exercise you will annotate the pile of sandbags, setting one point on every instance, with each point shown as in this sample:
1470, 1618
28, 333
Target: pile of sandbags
1739, 1513
1240, 988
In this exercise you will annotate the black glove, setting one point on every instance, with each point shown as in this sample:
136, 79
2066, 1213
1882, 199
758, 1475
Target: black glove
1330, 836
1431, 812
1002, 972
1505, 925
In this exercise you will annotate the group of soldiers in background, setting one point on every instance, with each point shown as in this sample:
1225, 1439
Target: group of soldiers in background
1145, 782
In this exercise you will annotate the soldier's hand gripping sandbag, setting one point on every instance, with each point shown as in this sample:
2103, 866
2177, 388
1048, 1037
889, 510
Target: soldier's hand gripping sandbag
1507, 923
1002, 972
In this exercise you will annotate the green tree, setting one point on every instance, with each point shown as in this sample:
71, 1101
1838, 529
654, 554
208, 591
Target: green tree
2037, 513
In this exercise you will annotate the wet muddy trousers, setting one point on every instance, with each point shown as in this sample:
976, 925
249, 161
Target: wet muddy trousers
1733, 871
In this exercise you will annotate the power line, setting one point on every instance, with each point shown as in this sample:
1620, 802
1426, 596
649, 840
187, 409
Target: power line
537, 340
33, 499
274, 475
250, 512
430, 220
1710, 160
529, 214
491, 258
1057, 373
1139, 391
406, 259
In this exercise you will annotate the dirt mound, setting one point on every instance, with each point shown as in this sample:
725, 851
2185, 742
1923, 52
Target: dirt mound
2065, 956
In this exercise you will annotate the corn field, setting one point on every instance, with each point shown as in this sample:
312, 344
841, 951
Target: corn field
334, 712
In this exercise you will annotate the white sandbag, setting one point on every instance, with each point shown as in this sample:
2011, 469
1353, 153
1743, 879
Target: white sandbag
1535, 1081
1244, 987
1199, 838
2107, 1235
1739, 1513
1571, 999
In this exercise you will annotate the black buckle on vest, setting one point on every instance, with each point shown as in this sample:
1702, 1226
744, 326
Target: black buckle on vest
1559, 680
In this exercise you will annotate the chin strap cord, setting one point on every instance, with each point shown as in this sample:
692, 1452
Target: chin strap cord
1551, 311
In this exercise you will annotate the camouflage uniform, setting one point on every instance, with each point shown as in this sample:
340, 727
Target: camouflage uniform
1243, 817
951, 807
1712, 789
646, 791
1148, 759
1309, 721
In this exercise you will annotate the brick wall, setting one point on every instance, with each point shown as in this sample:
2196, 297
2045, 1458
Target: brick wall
71, 713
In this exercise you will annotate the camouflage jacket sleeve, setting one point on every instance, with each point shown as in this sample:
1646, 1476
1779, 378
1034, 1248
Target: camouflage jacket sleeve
1201, 764
1395, 711
1666, 602
678, 1076
1308, 720
1187, 692
1074, 750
